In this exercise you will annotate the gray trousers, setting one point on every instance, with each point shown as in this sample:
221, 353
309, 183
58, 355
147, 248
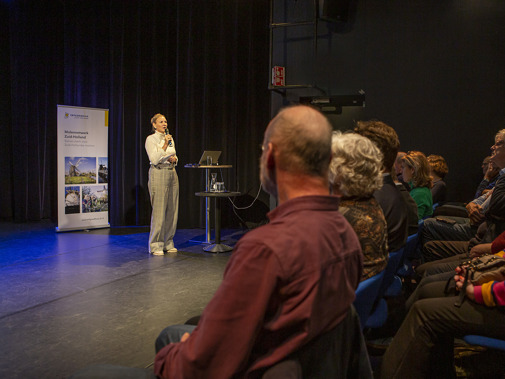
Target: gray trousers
164, 192
435, 251
434, 230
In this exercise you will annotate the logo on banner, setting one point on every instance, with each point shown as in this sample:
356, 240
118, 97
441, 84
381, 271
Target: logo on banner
76, 116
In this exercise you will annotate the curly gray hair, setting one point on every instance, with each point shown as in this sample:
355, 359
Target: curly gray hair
356, 165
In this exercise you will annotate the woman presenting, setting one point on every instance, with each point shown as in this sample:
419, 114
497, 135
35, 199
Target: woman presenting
163, 187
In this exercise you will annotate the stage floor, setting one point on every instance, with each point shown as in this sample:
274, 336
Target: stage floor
68, 300
78, 298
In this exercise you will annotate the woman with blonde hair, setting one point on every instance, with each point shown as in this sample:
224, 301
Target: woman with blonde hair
163, 187
416, 172
355, 173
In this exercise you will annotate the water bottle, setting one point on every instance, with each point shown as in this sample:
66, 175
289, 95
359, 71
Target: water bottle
213, 184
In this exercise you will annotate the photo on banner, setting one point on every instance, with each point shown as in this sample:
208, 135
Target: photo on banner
83, 175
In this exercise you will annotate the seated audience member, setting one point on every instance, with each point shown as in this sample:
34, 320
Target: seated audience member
389, 197
404, 189
447, 226
399, 170
492, 210
445, 269
286, 282
355, 173
416, 172
423, 347
438, 249
478, 206
491, 174
434, 312
438, 171
452, 209
412, 218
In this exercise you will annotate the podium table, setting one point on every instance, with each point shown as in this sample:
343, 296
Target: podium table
217, 247
207, 169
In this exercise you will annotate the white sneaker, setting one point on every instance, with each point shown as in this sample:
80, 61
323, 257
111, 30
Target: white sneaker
157, 252
172, 250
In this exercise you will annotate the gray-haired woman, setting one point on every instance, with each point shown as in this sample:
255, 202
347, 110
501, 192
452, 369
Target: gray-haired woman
355, 173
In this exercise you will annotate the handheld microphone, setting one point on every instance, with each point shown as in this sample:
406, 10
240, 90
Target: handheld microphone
170, 141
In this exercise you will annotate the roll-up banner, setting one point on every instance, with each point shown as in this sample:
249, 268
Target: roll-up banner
83, 168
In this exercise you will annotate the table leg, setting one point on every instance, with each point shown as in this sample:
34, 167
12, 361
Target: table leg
218, 247
207, 220
207, 208
217, 226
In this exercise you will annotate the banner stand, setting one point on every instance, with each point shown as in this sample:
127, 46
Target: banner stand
83, 168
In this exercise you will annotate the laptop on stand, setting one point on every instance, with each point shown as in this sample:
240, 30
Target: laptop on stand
214, 156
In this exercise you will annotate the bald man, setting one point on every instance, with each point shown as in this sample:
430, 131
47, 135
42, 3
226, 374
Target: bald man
287, 282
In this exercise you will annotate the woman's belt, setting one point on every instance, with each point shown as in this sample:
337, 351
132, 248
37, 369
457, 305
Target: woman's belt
162, 166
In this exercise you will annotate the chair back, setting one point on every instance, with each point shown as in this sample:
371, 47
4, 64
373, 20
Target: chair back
395, 259
338, 353
366, 295
411, 246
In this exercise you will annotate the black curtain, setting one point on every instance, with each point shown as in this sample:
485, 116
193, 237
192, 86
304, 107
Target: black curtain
204, 64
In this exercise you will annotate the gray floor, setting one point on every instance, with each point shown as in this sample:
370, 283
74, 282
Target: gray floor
69, 300
78, 298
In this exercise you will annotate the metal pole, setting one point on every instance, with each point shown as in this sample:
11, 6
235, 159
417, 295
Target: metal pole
207, 207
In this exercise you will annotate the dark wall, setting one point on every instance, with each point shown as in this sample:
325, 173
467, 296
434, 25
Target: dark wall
434, 70
201, 63
431, 69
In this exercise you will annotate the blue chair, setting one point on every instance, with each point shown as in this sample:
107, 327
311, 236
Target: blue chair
379, 316
410, 252
492, 343
366, 295
391, 286
411, 246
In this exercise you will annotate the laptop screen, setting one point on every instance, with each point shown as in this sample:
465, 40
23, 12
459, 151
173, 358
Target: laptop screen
213, 154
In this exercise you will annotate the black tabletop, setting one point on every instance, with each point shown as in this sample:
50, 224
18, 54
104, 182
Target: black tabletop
218, 194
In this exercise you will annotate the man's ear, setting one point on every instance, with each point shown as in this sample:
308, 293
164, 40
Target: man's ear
270, 156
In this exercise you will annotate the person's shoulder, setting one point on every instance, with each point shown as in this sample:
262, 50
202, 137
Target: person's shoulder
388, 194
260, 236
500, 182
374, 203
